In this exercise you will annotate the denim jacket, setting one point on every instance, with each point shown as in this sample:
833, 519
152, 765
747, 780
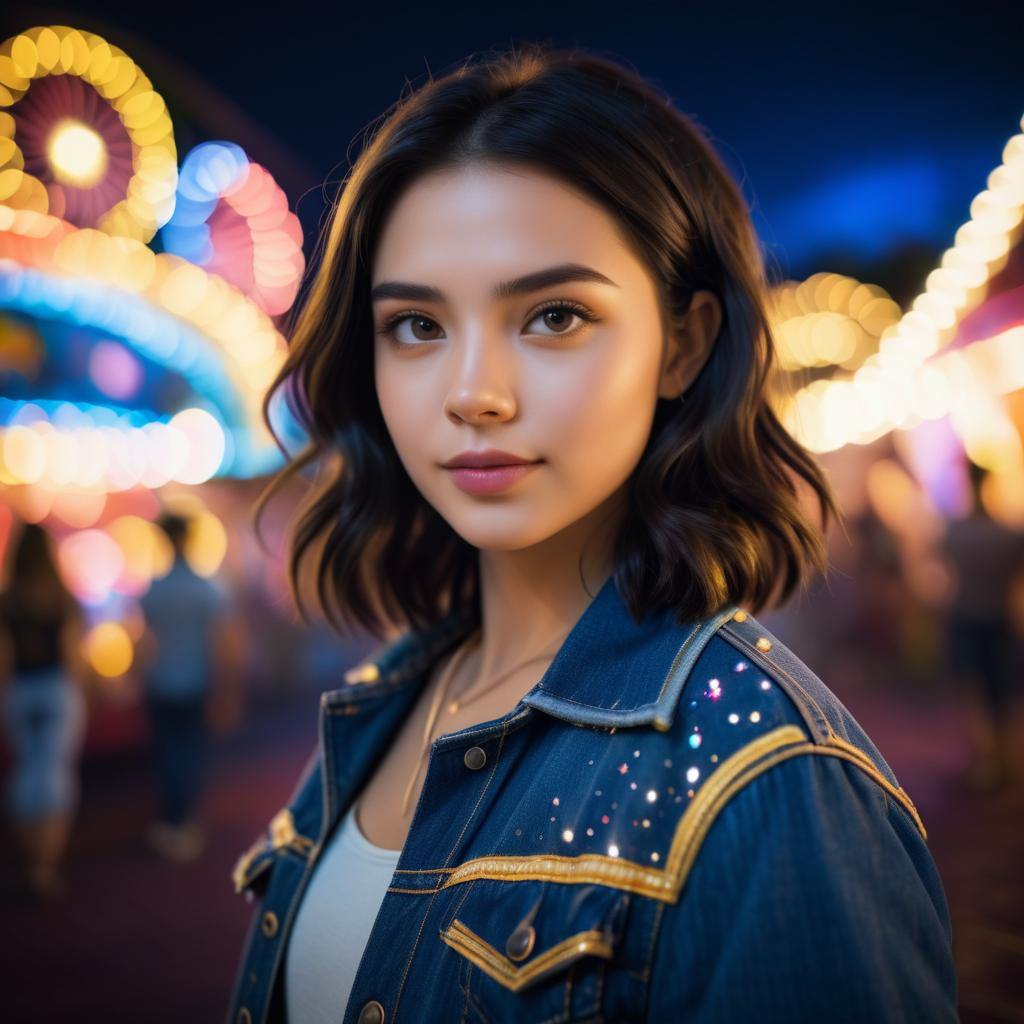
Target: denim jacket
679, 822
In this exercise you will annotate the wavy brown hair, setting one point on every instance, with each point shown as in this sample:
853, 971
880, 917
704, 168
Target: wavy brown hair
714, 514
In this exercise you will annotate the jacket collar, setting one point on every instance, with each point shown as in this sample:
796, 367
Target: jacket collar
610, 671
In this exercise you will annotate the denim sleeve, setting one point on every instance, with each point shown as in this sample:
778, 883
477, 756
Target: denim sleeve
812, 898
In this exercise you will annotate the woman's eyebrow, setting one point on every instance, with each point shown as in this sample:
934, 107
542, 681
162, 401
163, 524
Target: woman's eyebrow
561, 274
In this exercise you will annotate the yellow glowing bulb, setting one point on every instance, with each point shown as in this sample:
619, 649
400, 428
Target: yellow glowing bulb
78, 155
108, 648
207, 544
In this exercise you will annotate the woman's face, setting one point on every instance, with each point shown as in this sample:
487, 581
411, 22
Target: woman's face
566, 372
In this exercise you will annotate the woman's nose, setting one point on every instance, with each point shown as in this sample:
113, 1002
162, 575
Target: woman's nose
482, 383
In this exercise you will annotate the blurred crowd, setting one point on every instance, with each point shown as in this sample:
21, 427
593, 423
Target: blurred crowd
187, 672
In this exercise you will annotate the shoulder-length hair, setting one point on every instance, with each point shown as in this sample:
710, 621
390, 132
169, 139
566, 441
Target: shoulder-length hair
714, 514
33, 570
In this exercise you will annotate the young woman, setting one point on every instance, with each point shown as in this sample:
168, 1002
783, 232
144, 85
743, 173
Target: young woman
577, 781
41, 673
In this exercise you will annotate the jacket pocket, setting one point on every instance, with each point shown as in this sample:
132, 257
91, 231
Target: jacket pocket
535, 951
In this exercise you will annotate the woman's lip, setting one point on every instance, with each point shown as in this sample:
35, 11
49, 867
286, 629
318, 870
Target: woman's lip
489, 479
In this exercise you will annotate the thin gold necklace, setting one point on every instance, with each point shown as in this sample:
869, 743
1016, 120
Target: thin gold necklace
440, 692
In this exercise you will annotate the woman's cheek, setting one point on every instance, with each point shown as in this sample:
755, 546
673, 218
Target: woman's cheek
604, 436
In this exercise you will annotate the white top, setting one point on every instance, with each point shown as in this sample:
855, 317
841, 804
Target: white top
333, 923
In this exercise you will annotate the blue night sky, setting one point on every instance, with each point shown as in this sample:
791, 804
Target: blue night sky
855, 131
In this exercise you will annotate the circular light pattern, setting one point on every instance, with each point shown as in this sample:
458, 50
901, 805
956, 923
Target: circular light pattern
232, 219
179, 348
146, 553
91, 563
108, 649
100, 450
24, 454
174, 314
77, 507
114, 370
87, 136
30, 238
829, 320
87, 175
77, 154
205, 445
907, 381
207, 544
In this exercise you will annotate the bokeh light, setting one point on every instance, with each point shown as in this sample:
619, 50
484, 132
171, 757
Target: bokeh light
108, 649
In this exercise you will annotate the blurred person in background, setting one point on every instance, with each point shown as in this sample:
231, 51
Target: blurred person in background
41, 674
189, 629
986, 559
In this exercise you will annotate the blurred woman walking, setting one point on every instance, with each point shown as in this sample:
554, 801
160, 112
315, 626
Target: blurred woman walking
41, 628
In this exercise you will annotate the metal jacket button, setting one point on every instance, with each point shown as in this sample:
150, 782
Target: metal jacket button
520, 943
474, 758
371, 1013
269, 924
244, 1016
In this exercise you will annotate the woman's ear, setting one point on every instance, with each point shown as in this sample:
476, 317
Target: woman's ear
689, 344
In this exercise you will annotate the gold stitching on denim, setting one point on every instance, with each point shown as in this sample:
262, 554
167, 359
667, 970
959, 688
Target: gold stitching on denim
704, 808
859, 756
897, 792
240, 872
241, 875
659, 883
633, 877
280, 834
740, 781
593, 868
665, 884
366, 673
498, 966
282, 827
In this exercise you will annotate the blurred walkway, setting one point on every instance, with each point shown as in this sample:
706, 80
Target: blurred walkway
137, 939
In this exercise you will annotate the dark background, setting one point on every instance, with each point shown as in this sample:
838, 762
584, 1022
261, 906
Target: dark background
856, 130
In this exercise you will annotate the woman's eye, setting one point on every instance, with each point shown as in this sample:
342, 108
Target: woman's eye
557, 318
416, 323
560, 318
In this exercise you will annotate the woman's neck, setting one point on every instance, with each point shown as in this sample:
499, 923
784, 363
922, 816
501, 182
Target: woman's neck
531, 598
